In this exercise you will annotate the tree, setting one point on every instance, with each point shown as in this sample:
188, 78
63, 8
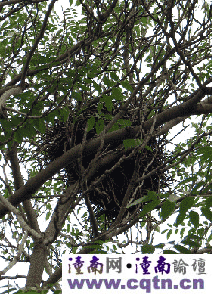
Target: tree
85, 100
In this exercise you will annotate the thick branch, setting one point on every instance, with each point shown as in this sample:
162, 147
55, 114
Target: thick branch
18, 183
37, 262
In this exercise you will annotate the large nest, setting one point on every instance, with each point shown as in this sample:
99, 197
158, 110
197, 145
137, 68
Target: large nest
108, 193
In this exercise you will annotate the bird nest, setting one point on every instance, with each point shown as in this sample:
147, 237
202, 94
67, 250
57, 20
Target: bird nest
108, 183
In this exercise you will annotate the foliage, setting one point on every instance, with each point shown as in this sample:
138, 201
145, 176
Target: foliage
112, 81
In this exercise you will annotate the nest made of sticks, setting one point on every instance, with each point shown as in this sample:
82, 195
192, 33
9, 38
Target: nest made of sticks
108, 194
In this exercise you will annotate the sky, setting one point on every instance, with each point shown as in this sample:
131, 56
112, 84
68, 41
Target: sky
19, 268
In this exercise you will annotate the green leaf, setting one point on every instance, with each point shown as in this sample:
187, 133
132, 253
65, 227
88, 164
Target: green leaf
127, 86
160, 245
167, 209
144, 21
206, 153
169, 252
30, 131
194, 218
148, 248
117, 94
34, 292
114, 76
97, 87
129, 143
64, 113
68, 228
91, 123
169, 234
40, 125
187, 180
149, 207
99, 107
108, 82
151, 196
125, 123
108, 102
182, 249
182, 231
180, 218
99, 126
192, 240
186, 204
140, 200
96, 248
207, 213
48, 214
77, 96
148, 148
18, 135
206, 209
114, 247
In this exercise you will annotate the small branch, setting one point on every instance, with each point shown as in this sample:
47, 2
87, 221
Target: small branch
16, 258
24, 225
